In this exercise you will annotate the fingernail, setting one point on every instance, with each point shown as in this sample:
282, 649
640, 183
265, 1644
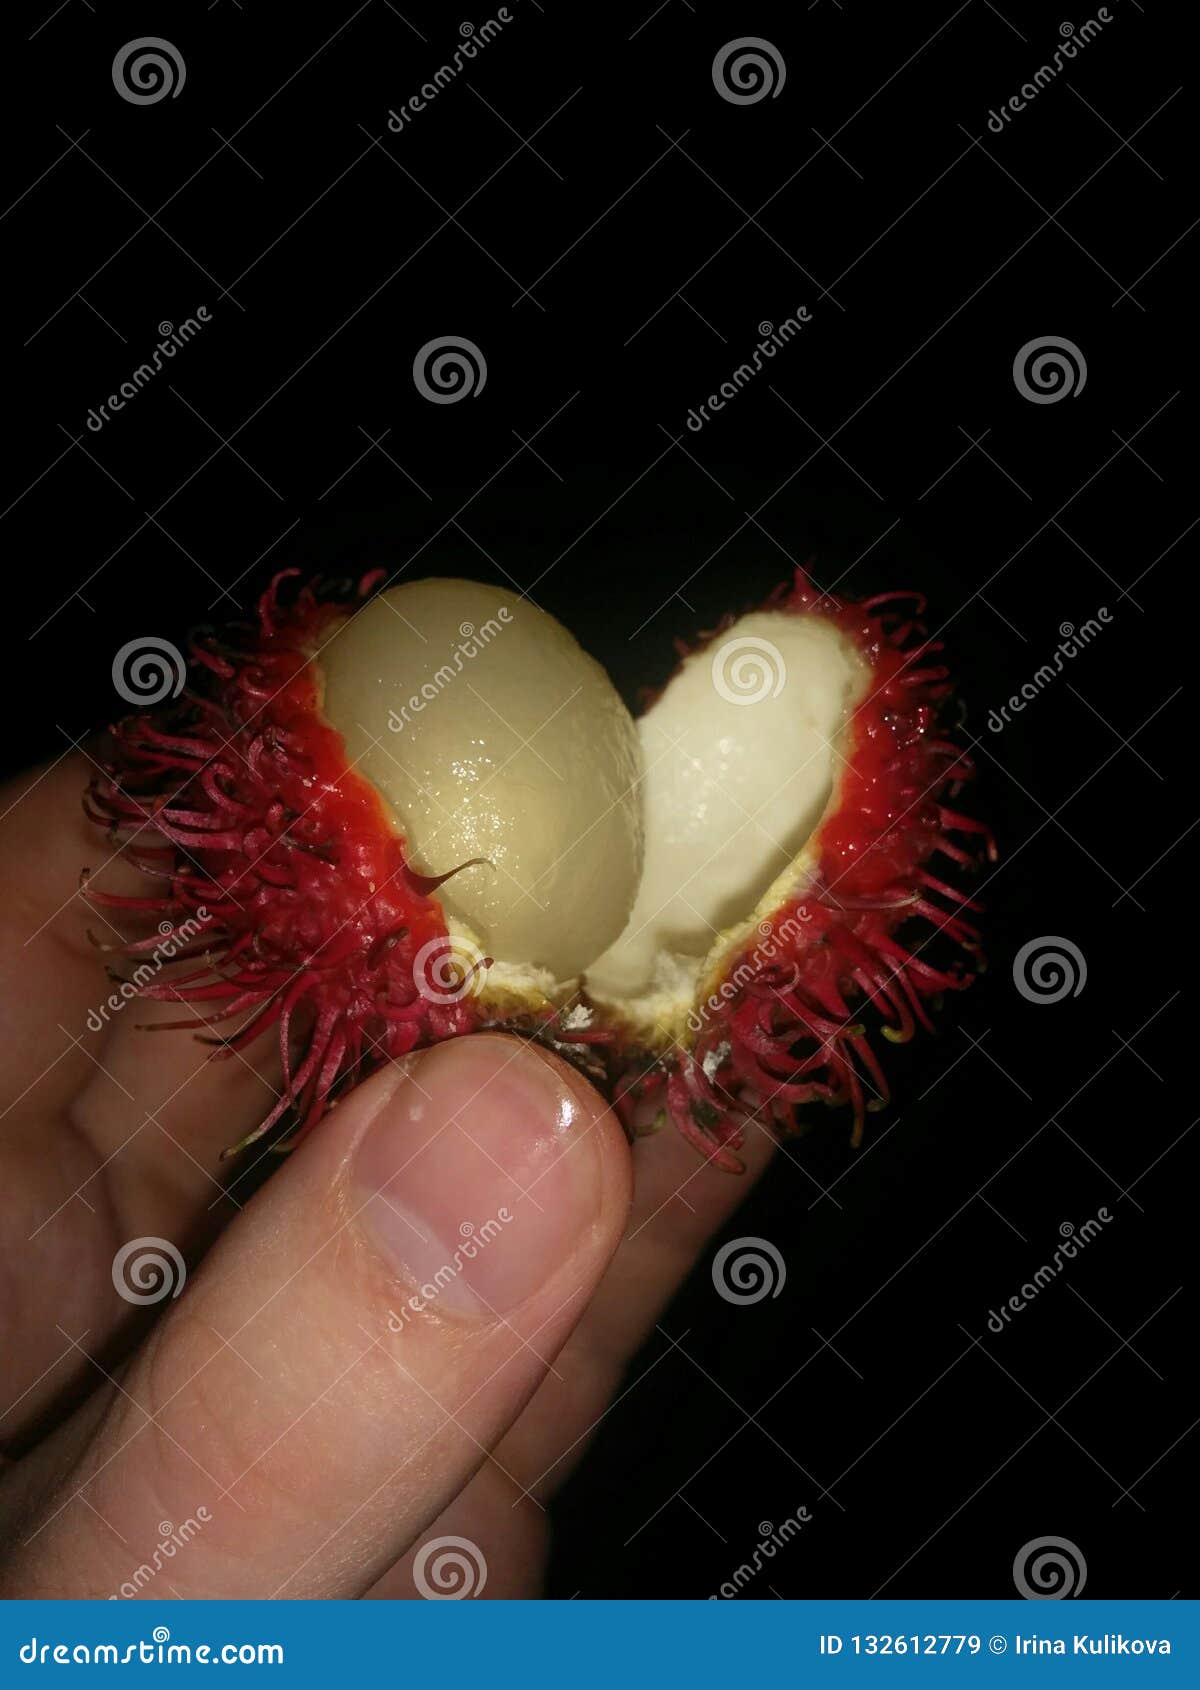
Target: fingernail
479, 1177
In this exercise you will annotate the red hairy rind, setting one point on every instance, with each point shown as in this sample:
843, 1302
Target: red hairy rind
304, 911
304, 915
779, 1032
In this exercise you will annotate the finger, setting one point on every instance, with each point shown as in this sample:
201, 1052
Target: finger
57, 1225
357, 1340
161, 1105
49, 978
136, 1156
679, 1203
107, 1133
506, 1535
72, 1030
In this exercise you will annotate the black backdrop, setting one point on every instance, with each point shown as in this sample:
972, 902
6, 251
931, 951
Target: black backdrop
609, 231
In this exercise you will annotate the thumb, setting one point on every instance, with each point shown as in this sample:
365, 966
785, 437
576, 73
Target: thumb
354, 1345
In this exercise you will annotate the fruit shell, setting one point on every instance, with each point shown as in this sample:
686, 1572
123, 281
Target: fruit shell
237, 800
773, 1027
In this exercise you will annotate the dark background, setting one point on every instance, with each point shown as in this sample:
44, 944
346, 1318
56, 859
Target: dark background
583, 206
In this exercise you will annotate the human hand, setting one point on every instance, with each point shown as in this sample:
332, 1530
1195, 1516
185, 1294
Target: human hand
314, 1414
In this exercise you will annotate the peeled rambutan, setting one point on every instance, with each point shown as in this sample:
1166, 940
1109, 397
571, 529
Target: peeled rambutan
392, 817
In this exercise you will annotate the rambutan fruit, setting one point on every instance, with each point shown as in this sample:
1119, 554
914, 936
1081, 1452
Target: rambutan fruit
393, 817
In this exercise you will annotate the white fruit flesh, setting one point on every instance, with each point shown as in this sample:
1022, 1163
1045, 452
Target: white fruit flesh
628, 854
491, 733
742, 757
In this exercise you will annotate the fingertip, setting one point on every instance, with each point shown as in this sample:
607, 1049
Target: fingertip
493, 1156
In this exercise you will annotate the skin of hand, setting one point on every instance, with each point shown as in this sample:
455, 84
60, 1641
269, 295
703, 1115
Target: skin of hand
409, 1332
